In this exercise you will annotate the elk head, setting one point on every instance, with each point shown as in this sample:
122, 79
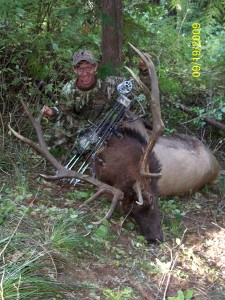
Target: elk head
119, 165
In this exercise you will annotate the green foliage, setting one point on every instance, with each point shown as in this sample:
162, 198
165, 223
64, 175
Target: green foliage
126, 293
7, 207
183, 296
102, 231
222, 182
78, 195
215, 109
169, 40
213, 11
38, 39
173, 214
172, 207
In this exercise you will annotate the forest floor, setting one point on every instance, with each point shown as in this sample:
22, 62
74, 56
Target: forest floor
191, 258
196, 261
113, 261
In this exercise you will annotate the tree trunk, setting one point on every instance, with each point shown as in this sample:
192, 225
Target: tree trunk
112, 34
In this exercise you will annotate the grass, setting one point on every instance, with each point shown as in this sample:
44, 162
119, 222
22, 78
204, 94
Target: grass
22, 266
30, 249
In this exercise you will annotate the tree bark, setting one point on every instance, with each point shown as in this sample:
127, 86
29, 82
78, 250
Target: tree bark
112, 33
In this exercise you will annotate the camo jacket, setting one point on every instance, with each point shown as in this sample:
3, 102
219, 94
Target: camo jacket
78, 109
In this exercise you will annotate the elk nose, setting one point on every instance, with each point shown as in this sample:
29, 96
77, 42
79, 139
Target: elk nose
156, 240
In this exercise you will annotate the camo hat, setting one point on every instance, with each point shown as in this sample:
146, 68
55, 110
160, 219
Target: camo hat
83, 55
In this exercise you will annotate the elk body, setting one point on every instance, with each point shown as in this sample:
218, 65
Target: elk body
187, 165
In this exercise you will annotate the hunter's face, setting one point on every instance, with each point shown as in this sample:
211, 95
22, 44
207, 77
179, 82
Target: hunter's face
85, 73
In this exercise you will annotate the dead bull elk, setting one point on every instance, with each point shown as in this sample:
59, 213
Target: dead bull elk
129, 170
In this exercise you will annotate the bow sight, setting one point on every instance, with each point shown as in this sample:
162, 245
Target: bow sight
96, 136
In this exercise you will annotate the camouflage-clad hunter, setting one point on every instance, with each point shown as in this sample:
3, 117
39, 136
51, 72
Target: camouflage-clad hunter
86, 99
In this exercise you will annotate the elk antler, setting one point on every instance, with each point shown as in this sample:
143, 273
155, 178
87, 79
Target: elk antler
154, 103
62, 172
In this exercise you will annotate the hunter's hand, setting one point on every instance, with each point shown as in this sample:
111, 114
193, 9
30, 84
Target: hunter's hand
48, 112
142, 65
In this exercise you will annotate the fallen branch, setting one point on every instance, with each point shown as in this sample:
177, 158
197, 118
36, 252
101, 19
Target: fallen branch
218, 226
207, 120
172, 266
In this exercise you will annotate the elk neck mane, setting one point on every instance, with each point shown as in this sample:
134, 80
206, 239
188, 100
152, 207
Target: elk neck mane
135, 135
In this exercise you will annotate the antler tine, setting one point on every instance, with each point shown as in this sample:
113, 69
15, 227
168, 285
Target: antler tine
140, 54
38, 148
117, 195
137, 188
36, 124
103, 188
154, 103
